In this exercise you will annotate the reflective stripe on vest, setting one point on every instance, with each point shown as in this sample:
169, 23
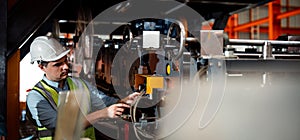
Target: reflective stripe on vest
48, 93
51, 95
80, 85
43, 137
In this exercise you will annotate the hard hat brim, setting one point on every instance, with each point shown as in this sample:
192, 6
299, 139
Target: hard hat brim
59, 56
56, 58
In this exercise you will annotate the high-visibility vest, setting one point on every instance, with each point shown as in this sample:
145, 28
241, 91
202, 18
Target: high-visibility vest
51, 95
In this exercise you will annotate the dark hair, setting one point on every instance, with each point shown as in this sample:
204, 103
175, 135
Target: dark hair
43, 63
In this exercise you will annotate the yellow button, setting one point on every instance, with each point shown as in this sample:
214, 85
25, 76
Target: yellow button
168, 69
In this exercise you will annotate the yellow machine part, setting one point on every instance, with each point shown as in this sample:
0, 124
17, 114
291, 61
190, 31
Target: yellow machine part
151, 82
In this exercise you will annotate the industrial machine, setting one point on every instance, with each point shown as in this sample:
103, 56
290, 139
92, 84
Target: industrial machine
146, 62
195, 82
159, 57
180, 68
173, 68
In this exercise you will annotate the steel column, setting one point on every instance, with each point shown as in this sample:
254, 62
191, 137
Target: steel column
274, 24
3, 63
229, 27
231, 24
12, 97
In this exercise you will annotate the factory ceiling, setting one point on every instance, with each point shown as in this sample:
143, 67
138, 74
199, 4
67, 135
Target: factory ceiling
30, 18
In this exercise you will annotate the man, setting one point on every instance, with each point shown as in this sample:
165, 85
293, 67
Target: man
42, 100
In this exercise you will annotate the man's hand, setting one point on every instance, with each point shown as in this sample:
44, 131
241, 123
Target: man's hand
116, 110
131, 98
113, 111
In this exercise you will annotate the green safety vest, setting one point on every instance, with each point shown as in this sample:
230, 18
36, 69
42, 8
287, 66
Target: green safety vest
51, 95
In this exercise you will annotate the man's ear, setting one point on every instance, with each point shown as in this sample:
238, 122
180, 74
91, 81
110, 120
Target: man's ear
41, 67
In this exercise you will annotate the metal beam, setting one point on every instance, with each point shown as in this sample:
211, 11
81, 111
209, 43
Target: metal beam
3, 64
289, 13
25, 19
266, 20
221, 21
250, 24
291, 31
24, 50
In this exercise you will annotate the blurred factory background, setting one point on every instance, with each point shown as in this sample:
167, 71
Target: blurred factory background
250, 67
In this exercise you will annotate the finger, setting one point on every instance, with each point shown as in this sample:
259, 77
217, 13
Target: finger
120, 109
129, 102
118, 113
136, 94
133, 95
122, 105
126, 105
115, 116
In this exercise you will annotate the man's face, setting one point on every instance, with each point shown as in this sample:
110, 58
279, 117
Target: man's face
57, 70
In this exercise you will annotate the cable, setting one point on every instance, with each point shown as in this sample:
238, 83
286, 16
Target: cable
134, 107
133, 112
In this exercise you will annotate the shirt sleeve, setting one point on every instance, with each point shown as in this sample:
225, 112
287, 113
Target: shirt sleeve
105, 100
47, 114
41, 110
108, 100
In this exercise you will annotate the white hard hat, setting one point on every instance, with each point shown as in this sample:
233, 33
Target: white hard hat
47, 49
